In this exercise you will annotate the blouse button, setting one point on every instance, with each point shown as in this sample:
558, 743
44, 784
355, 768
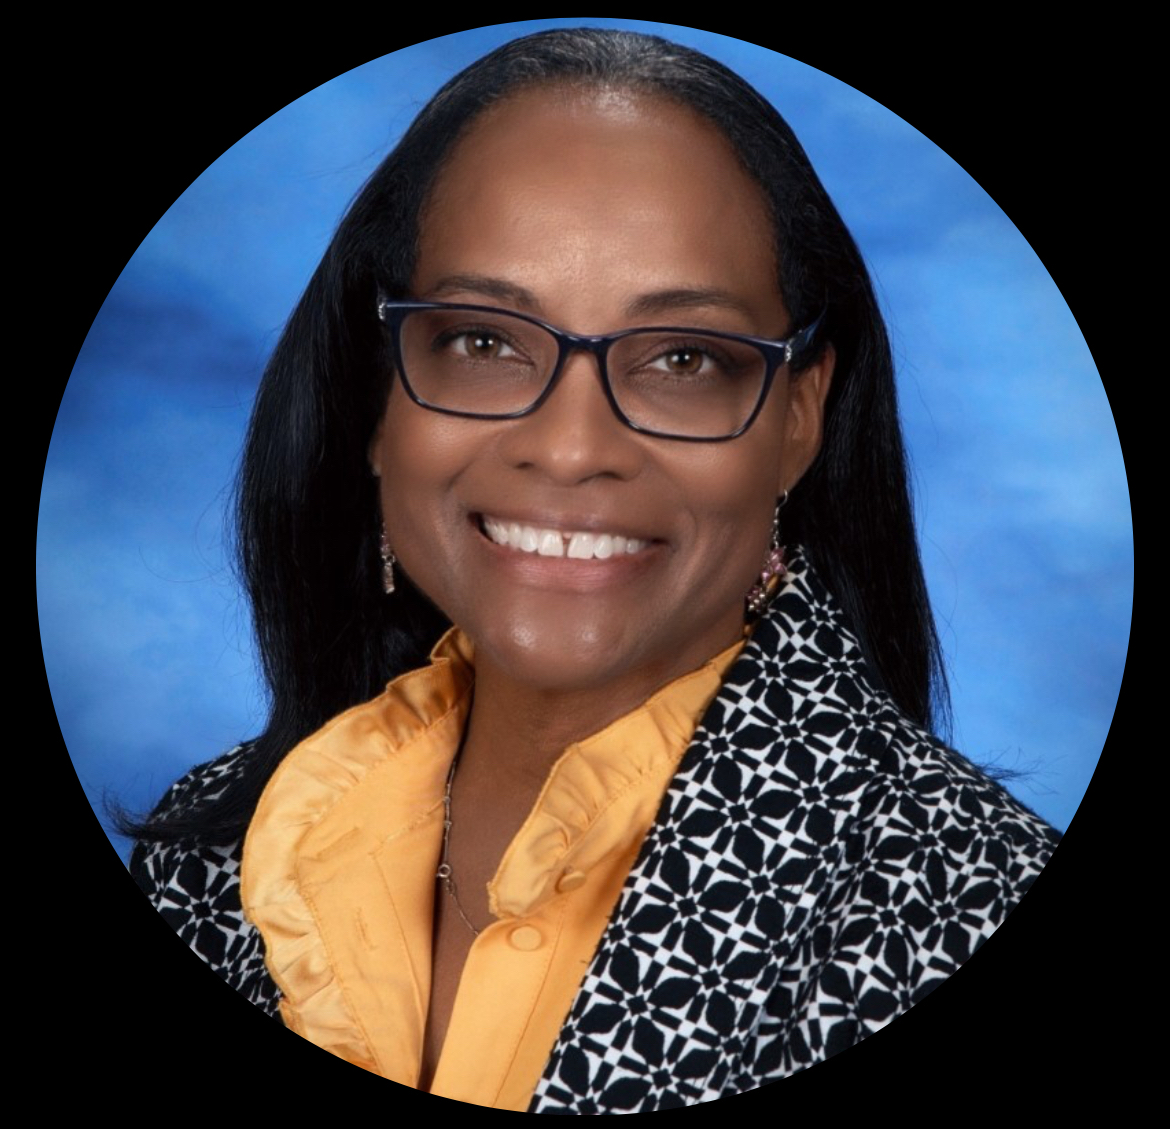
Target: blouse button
526, 938
570, 880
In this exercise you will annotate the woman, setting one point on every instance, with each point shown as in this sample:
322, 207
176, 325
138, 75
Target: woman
592, 374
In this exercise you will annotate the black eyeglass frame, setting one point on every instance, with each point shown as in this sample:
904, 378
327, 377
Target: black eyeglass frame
776, 354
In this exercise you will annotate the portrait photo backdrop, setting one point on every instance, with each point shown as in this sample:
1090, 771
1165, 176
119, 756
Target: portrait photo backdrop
1020, 487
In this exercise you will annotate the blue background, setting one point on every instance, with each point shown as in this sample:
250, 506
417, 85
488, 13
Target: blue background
1020, 486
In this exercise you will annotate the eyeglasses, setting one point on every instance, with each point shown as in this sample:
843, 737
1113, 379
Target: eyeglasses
675, 383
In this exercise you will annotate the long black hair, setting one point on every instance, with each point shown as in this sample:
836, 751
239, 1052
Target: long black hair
307, 505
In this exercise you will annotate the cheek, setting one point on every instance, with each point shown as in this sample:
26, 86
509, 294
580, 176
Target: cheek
421, 451
419, 461
734, 496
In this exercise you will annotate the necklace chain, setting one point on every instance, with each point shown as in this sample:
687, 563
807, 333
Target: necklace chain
445, 874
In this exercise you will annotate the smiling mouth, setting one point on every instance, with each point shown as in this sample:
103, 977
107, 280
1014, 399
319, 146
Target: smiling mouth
577, 545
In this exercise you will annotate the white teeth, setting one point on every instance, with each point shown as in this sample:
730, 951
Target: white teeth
581, 546
553, 543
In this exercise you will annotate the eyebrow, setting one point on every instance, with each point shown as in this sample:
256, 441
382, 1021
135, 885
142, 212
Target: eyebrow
686, 298
495, 288
655, 302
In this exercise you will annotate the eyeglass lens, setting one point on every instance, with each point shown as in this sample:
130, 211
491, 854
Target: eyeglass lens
681, 382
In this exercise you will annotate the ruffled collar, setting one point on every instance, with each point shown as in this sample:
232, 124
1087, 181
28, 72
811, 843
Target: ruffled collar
322, 874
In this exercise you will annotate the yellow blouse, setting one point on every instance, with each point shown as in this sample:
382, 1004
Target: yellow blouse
339, 868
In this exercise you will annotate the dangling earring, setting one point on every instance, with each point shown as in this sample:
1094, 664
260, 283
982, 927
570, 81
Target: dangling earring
774, 569
388, 561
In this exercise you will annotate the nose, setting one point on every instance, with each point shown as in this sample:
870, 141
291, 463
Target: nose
575, 434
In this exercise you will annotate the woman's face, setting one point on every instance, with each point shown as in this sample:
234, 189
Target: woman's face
595, 212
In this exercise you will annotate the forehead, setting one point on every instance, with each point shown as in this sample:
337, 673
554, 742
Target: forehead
599, 194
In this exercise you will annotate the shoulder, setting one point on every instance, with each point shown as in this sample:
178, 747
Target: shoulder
932, 858
196, 886
859, 812
172, 873
924, 796
834, 755
204, 783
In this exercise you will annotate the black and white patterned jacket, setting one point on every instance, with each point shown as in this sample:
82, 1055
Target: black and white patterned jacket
818, 865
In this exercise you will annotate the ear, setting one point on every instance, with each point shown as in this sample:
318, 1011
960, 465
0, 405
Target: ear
807, 392
374, 450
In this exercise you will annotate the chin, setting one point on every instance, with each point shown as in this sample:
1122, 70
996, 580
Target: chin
559, 658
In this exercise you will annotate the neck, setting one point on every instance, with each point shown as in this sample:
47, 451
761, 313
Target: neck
516, 732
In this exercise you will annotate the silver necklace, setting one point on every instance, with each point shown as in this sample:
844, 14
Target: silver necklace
444, 874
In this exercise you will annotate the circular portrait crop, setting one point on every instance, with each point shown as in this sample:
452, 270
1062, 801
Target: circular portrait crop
585, 567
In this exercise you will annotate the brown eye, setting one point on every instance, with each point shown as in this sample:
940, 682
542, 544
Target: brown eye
685, 361
482, 345
475, 344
